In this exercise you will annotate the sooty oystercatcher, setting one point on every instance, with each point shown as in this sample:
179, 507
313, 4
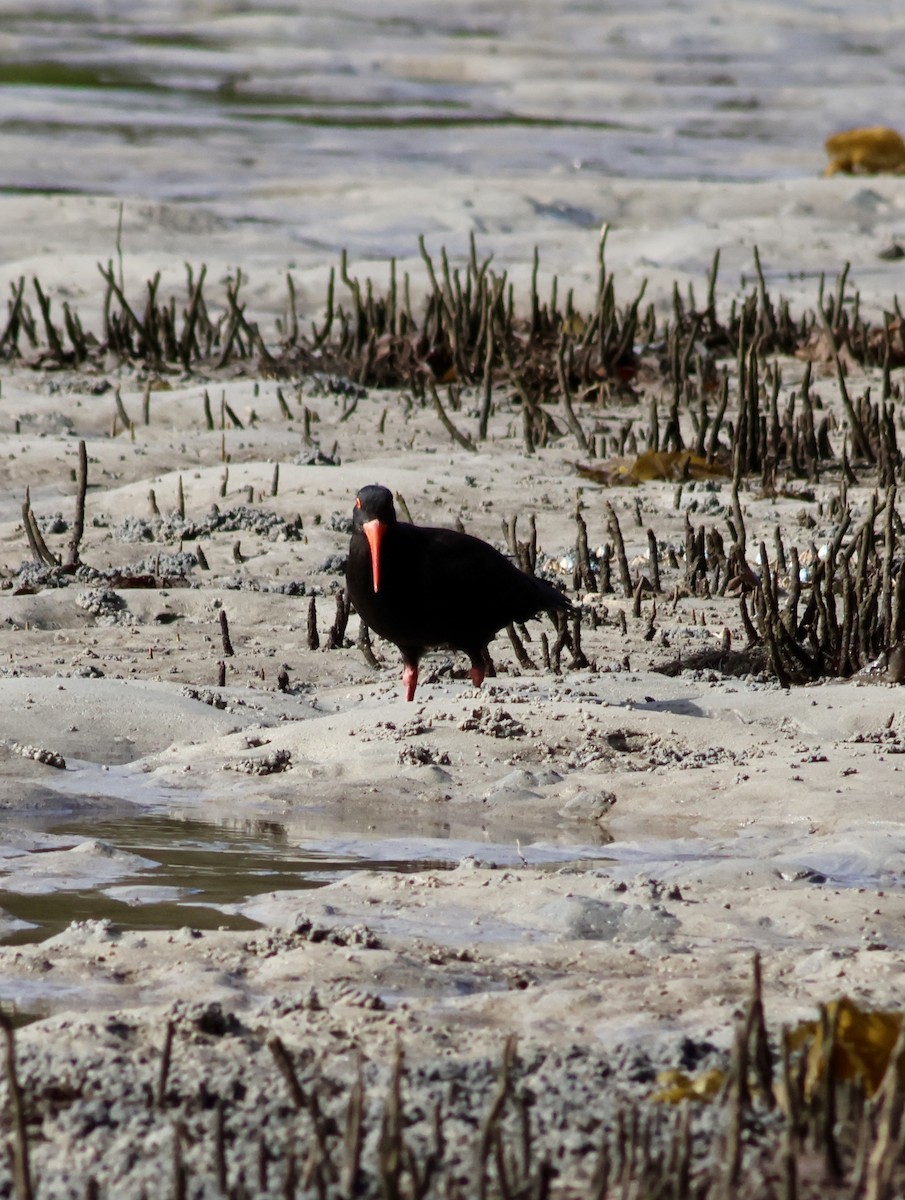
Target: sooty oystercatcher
421, 587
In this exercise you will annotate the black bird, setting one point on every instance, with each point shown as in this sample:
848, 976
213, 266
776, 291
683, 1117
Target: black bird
421, 587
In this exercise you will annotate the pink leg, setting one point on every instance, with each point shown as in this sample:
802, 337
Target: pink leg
477, 676
409, 681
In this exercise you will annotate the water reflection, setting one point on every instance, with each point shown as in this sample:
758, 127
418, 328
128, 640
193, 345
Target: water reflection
187, 870
201, 865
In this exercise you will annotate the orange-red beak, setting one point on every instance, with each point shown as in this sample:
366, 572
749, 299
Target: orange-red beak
374, 531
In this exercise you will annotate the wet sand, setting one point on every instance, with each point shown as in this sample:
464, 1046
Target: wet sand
708, 785
613, 844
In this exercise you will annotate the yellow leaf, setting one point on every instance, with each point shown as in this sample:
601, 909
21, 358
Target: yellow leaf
678, 1087
865, 1040
869, 151
672, 465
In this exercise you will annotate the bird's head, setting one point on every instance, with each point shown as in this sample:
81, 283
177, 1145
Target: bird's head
373, 514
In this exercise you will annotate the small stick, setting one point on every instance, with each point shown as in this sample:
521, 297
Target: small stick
463, 439
487, 402
364, 645
293, 329
737, 1100
391, 1146
790, 615
829, 1032
320, 338
22, 1182
651, 631
354, 1133
490, 1123
349, 408
636, 601
654, 559
739, 531
165, 1057
571, 419
582, 554
527, 428
287, 1070
860, 441
432, 276
518, 646
338, 628
191, 317
121, 409
11, 332
579, 661
313, 639
208, 415
616, 534
404, 508
53, 338
180, 1171
227, 409
78, 526
224, 633
756, 1030
284, 407
39, 549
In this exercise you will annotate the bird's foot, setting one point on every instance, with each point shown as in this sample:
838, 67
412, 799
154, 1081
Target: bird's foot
410, 681
477, 676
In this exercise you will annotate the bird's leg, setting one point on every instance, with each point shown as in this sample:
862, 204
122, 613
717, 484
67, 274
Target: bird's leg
409, 680
481, 665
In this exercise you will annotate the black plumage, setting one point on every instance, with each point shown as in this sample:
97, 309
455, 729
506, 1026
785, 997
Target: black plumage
421, 587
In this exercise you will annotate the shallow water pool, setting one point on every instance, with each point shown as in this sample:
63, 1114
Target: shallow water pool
193, 867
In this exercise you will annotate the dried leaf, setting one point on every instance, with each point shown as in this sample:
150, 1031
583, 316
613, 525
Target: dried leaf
671, 465
820, 348
865, 1040
574, 325
892, 336
873, 151
678, 1086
